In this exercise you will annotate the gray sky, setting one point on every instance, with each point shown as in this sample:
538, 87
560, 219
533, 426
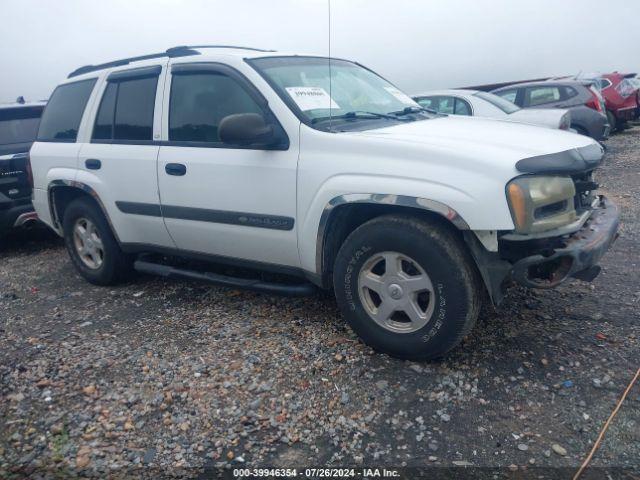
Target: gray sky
418, 45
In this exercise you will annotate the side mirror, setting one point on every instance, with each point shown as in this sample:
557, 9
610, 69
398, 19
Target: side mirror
246, 129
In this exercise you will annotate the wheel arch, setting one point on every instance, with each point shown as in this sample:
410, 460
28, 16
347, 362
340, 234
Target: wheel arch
344, 213
62, 192
580, 128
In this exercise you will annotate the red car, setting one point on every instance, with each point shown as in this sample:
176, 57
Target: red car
622, 98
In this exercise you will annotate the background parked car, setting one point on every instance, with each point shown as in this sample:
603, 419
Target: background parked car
621, 95
18, 128
484, 104
587, 116
635, 81
622, 98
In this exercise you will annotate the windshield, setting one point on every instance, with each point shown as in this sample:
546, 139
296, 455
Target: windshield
19, 125
505, 105
344, 92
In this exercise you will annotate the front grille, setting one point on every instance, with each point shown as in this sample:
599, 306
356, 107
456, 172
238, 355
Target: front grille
585, 191
551, 209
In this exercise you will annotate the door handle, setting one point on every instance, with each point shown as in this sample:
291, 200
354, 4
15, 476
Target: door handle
93, 164
176, 169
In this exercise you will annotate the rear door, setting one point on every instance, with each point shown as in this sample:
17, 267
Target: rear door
119, 161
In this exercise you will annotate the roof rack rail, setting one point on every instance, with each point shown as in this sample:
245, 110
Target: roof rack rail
181, 47
179, 51
171, 52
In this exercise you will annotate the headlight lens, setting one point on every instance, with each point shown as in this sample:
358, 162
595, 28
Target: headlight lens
541, 203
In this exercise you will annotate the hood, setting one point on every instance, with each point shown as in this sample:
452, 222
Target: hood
484, 146
545, 117
476, 136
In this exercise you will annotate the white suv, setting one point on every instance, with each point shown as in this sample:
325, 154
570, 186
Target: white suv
321, 170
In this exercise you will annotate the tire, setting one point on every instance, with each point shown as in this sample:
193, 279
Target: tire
113, 265
613, 121
424, 247
580, 130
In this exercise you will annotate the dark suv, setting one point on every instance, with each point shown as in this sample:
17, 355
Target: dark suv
584, 103
18, 127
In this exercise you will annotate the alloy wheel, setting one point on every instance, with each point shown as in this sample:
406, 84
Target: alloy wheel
396, 292
88, 243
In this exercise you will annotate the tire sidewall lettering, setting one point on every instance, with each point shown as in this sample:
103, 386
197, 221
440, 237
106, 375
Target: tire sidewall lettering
348, 277
439, 315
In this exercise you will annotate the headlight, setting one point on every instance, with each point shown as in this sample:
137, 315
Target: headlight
538, 204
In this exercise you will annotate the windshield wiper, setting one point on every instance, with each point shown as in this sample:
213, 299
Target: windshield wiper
356, 114
410, 110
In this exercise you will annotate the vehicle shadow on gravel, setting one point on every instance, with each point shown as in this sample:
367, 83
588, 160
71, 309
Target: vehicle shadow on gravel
153, 369
28, 241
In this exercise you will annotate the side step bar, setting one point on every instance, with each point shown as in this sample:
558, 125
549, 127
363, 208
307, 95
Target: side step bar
291, 290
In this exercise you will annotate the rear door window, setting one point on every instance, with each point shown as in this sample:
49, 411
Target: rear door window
62, 116
426, 102
126, 111
542, 95
509, 95
103, 129
446, 105
134, 109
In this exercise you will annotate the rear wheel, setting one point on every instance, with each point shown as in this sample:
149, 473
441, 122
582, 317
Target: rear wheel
92, 246
580, 130
407, 287
613, 121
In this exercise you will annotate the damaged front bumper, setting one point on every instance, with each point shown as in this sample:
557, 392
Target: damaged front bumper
575, 255
546, 262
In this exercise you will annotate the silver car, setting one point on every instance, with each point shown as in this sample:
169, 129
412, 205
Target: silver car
484, 104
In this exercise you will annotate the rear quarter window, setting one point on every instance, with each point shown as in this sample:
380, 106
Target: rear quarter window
462, 107
570, 92
62, 116
604, 83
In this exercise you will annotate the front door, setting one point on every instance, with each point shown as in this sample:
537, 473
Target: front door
220, 200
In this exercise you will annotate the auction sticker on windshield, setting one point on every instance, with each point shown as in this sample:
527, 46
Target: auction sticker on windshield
311, 98
403, 97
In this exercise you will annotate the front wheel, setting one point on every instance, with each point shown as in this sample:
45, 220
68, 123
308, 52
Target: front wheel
407, 287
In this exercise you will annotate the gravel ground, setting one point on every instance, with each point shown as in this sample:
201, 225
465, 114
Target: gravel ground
178, 376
